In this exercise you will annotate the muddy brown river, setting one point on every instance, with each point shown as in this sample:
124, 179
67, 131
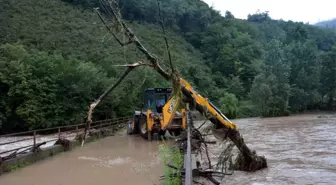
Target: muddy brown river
299, 149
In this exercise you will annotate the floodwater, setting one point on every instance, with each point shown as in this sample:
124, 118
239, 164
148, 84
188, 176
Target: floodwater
299, 150
119, 160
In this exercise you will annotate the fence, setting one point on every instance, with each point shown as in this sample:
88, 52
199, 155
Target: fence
18, 143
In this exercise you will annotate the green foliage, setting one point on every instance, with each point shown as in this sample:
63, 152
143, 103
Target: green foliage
247, 109
172, 156
56, 57
235, 86
20, 164
305, 75
271, 89
43, 90
229, 105
261, 94
68, 62
258, 17
328, 80
229, 15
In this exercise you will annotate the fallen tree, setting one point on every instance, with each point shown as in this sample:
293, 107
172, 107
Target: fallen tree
247, 160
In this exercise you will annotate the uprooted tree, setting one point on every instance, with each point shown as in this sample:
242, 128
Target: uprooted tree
247, 160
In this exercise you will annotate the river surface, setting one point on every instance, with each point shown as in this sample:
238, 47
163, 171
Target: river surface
299, 150
119, 160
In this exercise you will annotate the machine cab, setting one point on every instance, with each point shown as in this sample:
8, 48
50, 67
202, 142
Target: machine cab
156, 98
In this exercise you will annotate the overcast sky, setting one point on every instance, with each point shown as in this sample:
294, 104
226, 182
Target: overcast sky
297, 10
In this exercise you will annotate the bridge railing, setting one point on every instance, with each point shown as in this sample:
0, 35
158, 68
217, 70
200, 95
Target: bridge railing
17, 143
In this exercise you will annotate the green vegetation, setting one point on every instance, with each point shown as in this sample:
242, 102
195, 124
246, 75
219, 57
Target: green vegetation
16, 166
56, 57
172, 156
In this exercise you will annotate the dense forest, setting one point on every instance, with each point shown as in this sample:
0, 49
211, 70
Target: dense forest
56, 57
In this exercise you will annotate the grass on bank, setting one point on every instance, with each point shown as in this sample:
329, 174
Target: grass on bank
171, 155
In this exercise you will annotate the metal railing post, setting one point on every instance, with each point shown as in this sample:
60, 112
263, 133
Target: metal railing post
115, 121
34, 141
188, 162
100, 128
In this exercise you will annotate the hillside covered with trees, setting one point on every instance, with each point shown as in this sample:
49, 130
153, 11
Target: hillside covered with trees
331, 24
56, 57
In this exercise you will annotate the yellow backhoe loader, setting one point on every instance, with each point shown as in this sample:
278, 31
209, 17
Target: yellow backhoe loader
159, 113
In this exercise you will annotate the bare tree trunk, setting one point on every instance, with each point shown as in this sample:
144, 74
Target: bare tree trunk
249, 160
93, 105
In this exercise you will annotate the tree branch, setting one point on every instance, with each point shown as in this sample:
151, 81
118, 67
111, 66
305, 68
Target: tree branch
250, 161
165, 37
114, 35
133, 39
93, 105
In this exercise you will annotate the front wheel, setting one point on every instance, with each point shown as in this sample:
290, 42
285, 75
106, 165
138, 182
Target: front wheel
144, 130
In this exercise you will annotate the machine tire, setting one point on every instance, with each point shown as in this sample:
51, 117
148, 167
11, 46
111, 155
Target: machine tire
143, 128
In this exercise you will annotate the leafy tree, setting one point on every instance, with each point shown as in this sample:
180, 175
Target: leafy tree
305, 75
259, 17
58, 57
229, 105
274, 82
328, 80
229, 15
235, 86
46, 90
261, 95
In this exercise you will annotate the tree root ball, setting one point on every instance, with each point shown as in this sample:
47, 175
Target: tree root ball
65, 143
257, 163
80, 137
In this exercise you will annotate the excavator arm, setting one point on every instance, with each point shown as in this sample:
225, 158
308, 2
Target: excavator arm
251, 162
169, 110
203, 105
